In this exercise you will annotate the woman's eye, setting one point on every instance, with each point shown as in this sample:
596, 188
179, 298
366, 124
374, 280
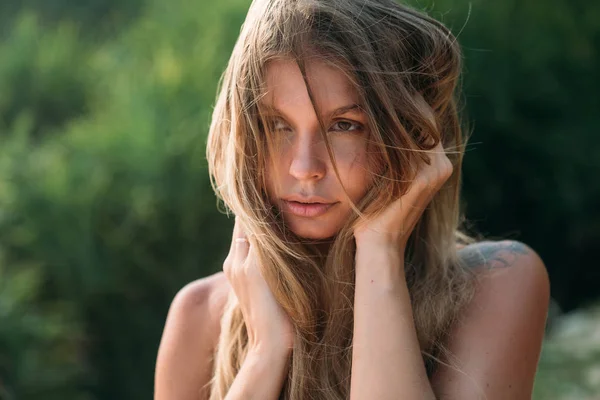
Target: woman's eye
279, 125
346, 126
340, 126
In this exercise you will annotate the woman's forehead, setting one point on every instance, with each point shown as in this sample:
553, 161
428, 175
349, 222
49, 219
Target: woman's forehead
286, 88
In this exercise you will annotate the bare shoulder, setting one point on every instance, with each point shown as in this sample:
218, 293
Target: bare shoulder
499, 254
506, 265
497, 340
201, 303
507, 268
184, 360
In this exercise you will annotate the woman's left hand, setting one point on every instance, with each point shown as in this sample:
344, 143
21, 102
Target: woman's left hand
394, 224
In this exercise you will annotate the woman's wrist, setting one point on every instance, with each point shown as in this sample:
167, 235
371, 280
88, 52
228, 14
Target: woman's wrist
370, 252
261, 376
379, 266
270, 352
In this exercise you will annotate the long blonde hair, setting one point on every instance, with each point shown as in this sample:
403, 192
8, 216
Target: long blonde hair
405, 67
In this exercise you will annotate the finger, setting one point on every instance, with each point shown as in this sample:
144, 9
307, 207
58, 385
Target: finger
237, 232
437, 157
443, 164
440, 151
242, 247
437, 152
233, 236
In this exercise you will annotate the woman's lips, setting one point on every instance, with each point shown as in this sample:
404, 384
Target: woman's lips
307, 209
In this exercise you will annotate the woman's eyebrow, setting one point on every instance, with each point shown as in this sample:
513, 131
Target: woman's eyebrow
354, 108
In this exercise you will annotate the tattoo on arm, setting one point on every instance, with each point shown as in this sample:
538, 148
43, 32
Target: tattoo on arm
492, 254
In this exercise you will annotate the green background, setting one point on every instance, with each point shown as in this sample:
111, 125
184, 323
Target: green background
106, 209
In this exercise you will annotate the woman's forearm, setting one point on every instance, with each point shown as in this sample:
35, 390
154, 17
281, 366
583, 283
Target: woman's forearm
261, 376
386, 357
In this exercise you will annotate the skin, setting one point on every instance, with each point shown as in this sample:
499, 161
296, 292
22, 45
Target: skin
302, 165
496, 343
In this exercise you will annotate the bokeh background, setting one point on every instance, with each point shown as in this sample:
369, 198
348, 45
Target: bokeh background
106, 209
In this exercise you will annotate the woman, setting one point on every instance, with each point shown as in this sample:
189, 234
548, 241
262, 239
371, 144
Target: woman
335, 141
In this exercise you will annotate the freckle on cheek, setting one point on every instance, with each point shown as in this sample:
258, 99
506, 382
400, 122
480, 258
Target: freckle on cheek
357, 161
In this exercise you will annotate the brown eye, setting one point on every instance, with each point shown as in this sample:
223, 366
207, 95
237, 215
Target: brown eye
346, 126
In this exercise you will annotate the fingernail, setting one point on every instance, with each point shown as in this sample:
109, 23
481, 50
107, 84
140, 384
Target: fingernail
241, 240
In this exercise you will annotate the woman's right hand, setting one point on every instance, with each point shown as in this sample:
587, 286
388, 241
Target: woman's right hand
268, 325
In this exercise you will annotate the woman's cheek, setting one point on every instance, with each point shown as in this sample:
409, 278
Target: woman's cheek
353, 166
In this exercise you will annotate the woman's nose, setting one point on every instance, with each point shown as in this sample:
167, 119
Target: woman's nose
307, 159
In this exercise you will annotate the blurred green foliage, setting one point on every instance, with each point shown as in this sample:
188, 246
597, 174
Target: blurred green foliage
101, 18
531, 82
105, 205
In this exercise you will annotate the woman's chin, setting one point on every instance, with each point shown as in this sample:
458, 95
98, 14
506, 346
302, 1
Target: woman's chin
313, 233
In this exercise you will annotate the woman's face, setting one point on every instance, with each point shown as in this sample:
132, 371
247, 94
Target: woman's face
301, 167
